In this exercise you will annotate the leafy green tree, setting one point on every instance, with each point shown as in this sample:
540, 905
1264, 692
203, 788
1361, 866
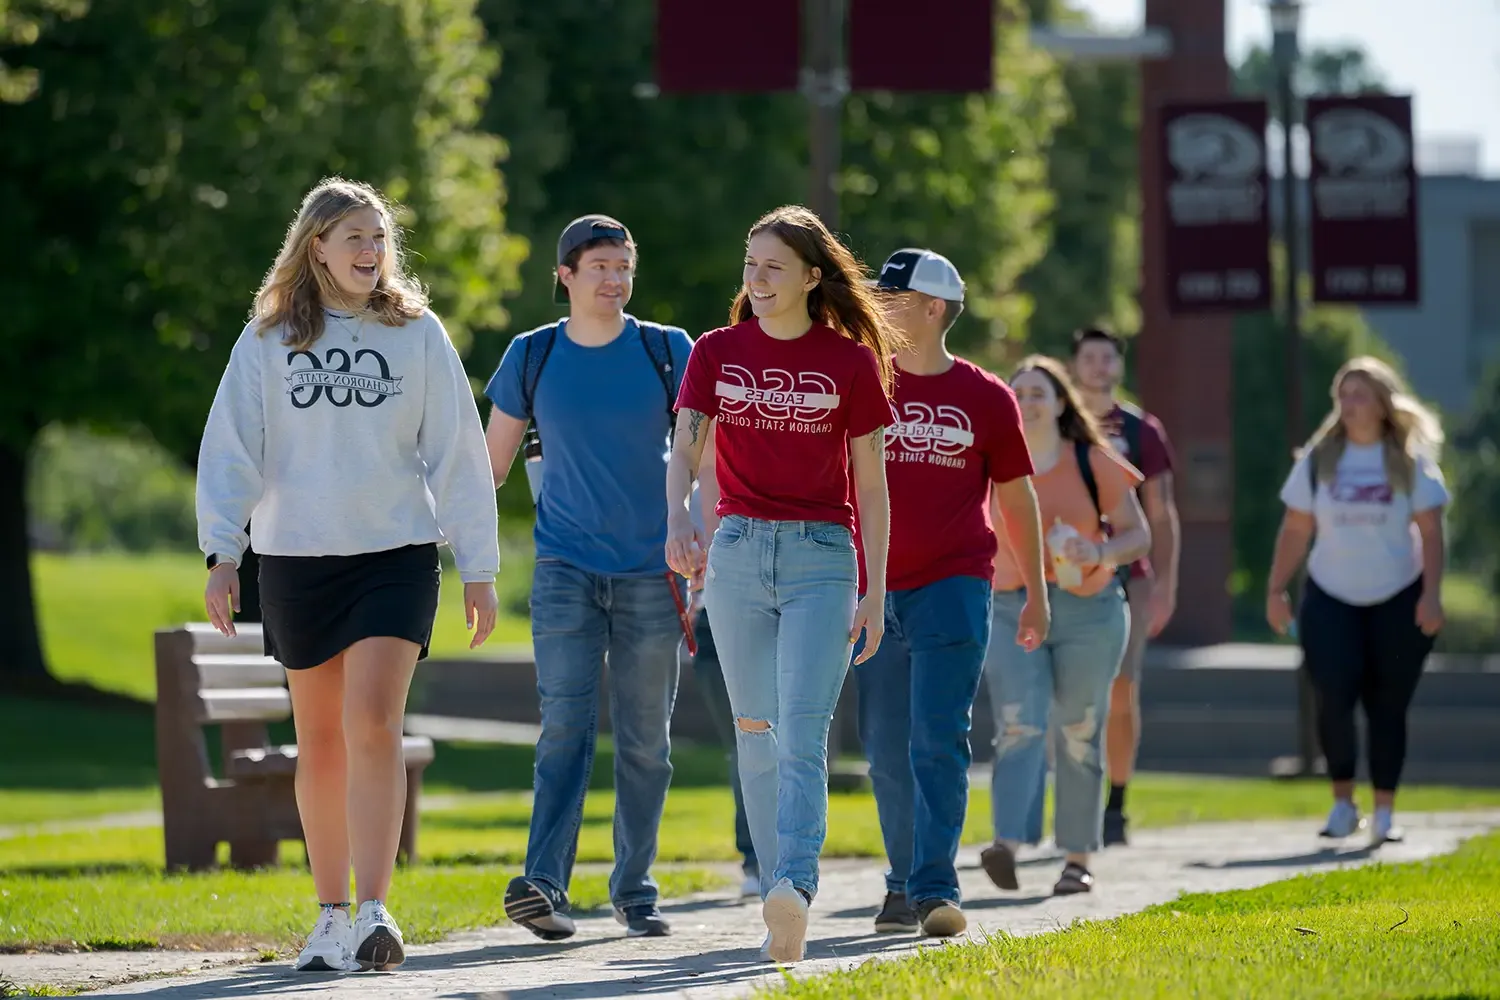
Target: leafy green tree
1476, 487
690, 174
165, 150
1091, 269
1325, 70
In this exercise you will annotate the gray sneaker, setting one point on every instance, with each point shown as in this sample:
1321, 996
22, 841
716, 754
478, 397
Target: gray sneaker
895, 915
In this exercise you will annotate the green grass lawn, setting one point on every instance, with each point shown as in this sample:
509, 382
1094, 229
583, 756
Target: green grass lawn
98, 613
1425, 929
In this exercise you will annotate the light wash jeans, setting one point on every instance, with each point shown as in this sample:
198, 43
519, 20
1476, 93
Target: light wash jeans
781, 596
577, 618
1067, 682
916, 707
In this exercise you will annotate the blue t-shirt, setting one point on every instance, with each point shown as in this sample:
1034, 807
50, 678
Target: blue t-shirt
602, 416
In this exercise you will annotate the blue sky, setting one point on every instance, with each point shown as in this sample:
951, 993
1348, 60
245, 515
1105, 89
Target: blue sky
1447, 56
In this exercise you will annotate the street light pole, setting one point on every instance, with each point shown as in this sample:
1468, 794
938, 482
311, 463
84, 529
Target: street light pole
826, 83
1286, 16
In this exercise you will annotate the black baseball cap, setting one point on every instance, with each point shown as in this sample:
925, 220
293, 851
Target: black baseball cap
580, 231
917, 270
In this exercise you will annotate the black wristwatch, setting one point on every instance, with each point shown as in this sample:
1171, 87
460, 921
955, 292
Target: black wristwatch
214, 560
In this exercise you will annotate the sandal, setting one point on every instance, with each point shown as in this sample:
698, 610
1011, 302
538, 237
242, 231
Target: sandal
1075, 879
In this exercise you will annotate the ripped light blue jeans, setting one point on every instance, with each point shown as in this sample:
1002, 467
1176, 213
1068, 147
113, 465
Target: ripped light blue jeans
781, 595
1067, 681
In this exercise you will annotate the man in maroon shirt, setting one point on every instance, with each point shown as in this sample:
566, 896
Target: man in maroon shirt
958, 435
1098, 366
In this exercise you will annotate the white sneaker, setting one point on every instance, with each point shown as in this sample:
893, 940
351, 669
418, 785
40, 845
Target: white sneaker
785, 913
330, 946
1384, 830
1343, 821
750, 886
377, 940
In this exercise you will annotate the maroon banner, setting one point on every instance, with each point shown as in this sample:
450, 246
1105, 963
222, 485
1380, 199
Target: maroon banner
704, 46
1218, 229
1364, 200
936, 45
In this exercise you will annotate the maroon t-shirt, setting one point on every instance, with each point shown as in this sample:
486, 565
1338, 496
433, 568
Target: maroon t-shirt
956, 433
785, 412
1154, 459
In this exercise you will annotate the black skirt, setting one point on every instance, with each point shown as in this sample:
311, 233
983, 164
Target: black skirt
315, 607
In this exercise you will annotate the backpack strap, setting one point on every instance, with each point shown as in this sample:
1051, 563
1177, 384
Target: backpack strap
1086, 469
659, 349
538, 347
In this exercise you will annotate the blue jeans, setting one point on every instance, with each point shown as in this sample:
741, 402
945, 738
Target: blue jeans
577, 619
916, 704
1067, 682
710, 677
782, 597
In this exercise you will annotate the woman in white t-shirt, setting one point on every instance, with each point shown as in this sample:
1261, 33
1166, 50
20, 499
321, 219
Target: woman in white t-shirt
1368, 496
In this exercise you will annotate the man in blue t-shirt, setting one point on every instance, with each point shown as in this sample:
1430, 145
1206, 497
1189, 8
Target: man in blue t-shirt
598, 387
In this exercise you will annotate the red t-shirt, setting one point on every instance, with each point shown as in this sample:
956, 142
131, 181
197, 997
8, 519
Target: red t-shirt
785, 411
1154, 459
956, 433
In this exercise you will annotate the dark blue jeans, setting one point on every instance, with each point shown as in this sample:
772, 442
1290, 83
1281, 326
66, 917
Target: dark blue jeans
916, 702
710, 677
577, 618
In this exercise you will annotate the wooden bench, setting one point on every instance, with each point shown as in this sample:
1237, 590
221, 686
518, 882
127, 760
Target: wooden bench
207, 679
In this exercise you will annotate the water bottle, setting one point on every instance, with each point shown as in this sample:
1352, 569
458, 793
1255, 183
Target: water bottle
533, 456
1069, 574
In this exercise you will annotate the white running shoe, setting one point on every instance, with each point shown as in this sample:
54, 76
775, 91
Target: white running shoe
1343, 821
750, 886
377, 940
330, 946
785, 913
1384, 830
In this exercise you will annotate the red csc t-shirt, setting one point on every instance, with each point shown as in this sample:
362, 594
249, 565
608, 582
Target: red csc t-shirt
784, 412
955, 434
1154, 459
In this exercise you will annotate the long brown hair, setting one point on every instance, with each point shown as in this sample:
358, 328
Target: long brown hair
296, 287
841, 299
1075, 423
1408, 430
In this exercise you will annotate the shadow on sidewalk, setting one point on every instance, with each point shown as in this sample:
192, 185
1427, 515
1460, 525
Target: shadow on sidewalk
1326, 856
668, 975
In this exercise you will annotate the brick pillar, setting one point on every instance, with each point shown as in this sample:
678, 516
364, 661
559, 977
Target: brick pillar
1182, 363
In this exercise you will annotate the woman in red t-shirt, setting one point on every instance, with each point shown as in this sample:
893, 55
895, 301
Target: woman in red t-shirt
794, 391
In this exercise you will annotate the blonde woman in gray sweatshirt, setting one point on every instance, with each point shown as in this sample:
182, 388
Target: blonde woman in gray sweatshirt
345, 433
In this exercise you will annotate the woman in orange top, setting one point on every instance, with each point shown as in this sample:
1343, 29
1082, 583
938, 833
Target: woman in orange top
1094, 528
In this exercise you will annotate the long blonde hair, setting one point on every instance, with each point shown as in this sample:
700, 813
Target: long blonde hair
297, 286
1409, 429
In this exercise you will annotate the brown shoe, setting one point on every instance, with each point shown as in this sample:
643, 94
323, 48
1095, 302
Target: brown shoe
999, 863
1075, 879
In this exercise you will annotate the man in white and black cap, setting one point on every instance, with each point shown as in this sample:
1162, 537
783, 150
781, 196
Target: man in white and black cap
597, 388
959, 437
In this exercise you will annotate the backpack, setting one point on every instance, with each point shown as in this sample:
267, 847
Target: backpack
658, 348
1086, 470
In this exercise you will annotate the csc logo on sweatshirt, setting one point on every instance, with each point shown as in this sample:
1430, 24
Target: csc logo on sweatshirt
342, 385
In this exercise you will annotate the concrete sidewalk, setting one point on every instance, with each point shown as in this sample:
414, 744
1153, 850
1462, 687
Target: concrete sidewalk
714, 951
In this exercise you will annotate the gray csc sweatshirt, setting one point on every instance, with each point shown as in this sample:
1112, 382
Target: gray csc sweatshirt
368, 440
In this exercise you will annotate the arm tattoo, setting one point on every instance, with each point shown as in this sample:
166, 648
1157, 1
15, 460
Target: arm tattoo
877, 441
695, 424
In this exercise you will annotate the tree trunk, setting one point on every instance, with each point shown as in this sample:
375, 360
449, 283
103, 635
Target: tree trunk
20, 638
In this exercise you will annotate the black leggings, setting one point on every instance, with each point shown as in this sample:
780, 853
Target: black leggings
1363, 654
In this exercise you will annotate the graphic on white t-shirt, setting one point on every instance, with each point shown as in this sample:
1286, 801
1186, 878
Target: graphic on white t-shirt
936, 434
776, 396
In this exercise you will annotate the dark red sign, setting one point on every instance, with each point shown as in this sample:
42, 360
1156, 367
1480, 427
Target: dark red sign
704, 46
935, 45
1363, 189
1217, 226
